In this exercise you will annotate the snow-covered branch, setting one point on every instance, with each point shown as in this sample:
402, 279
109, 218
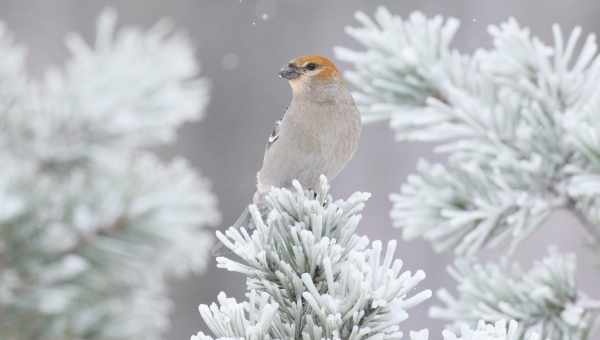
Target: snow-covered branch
544, 299
466, 207
310, 276
518, 122
90, 223
516, 117
130, 89
499, 330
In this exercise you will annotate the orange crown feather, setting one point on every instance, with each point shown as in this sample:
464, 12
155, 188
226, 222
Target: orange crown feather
329, 71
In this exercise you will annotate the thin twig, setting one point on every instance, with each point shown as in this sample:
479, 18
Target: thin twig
591, 229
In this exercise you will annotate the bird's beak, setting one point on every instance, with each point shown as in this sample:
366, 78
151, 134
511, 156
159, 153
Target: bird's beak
289, 72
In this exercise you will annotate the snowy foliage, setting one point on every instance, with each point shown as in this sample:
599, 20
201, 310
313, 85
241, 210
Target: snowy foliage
484, 331
91, 223
460, 207
130, 89
518, 122
310, 276
544, 299
514, 120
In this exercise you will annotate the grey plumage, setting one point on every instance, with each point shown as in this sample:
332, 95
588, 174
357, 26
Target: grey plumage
318, 135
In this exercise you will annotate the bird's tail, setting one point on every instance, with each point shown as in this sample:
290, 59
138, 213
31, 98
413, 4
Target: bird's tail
244, 220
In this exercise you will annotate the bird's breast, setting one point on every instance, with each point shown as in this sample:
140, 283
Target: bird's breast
334, 135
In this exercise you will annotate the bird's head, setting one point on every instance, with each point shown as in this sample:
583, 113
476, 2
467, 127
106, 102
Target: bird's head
310, 71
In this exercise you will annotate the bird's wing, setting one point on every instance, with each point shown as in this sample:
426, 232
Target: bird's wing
274, 135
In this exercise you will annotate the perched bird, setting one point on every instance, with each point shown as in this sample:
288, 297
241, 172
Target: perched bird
318, 133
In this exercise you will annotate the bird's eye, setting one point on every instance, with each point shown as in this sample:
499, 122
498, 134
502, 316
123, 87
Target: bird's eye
311, 66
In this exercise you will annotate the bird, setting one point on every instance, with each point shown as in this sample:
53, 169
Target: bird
318, 134
320, 131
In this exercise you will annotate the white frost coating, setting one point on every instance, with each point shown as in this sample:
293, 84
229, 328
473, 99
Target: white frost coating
518, 121
519, 124
309, 276
91, 224
484, 331
544, 299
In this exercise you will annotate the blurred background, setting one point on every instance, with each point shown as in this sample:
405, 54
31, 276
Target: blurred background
241, 45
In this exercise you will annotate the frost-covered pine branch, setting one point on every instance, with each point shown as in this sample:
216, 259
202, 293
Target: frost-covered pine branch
499, 330
91, 223
544, 300
514, 120
517, 122
310, 276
